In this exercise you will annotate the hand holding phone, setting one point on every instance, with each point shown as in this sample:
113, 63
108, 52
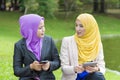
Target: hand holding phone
92, 64
43, 62
45, 65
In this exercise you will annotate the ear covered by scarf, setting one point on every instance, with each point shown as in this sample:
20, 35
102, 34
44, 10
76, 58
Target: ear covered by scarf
88, 45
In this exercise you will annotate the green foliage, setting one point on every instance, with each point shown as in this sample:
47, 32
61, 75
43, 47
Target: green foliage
47, 7
113, 4
31, 6
112, 1
21, 6
70, 5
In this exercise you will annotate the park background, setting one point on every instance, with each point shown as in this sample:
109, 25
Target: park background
59, 22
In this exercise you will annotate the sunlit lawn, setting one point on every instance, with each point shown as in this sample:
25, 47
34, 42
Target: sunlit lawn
9, 34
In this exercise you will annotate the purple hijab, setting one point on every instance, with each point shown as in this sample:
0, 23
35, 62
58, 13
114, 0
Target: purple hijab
28, 27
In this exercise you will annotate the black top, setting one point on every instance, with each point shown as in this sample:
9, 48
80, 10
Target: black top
23, 58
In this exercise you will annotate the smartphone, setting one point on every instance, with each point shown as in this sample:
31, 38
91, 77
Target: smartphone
92, 64
43, 62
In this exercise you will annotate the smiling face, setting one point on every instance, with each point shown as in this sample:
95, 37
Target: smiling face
41, 30
80, 30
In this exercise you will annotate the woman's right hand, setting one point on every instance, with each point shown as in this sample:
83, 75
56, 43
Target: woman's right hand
78, 69
36, 66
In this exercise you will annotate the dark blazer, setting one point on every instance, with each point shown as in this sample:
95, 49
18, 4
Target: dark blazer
23, 58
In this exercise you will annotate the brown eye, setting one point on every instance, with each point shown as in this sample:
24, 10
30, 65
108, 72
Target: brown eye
40, 28
76, 25
81, 25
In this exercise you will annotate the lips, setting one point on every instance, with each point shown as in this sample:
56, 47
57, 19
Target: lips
78, 32
42, 34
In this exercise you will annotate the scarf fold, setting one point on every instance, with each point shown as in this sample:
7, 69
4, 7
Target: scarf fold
28, 27
88, 44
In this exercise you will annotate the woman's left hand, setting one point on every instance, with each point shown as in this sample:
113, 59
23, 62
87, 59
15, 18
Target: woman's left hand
46, 66
91, 69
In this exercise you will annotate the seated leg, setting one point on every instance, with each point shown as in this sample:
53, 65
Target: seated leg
95, 76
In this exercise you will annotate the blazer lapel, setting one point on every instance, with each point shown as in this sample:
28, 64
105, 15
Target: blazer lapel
43, 50
28, 52
31, 55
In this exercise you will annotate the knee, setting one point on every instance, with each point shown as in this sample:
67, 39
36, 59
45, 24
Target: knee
98, 76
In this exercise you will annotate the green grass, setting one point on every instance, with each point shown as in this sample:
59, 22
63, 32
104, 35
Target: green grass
57, 28
108, 75
108, 24
112, 76
6, 53
112, 52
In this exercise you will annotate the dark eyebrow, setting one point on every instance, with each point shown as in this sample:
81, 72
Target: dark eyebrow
80, 24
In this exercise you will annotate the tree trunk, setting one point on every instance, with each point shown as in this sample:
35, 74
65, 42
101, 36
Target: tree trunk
0, 4
12, 5
69, 5
3, 5
102, 6
95, 6
119, 4
16, 7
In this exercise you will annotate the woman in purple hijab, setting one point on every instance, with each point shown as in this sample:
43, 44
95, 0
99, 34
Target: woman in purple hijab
35, 55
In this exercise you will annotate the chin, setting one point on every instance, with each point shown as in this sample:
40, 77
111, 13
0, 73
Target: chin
79, 35
42, 36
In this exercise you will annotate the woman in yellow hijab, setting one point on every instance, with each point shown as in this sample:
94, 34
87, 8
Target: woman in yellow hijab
83, 47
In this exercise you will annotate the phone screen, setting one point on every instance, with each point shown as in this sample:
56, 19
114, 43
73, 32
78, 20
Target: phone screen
43, 62
92, 64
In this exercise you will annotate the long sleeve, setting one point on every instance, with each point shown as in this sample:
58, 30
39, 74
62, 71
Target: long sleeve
100, 60
69, 58
55, 63
66, 65
19, 70
23, 58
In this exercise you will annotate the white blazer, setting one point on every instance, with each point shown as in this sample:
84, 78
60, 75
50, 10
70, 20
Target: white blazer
69, 58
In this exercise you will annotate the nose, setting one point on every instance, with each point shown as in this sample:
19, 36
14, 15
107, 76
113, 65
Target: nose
43, 29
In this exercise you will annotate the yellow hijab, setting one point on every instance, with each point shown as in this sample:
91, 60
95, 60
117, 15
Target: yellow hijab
88, 44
